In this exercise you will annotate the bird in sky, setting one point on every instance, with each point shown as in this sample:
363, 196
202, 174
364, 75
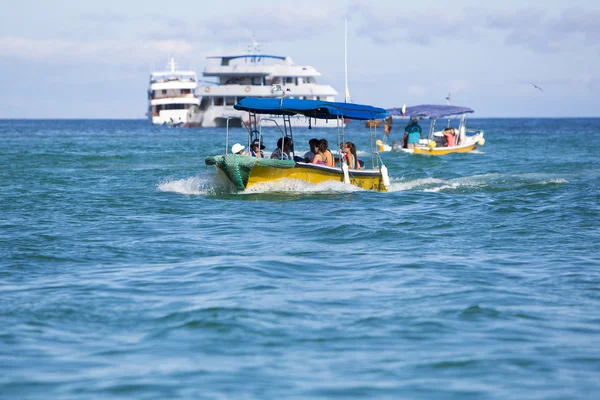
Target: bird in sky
536, 86
448, 99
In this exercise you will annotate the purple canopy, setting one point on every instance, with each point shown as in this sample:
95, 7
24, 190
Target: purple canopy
430, 111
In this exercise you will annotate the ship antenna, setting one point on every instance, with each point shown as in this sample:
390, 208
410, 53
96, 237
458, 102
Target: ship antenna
347, 95
254, 49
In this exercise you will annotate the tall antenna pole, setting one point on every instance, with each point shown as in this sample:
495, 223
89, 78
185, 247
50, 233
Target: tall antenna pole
347, 95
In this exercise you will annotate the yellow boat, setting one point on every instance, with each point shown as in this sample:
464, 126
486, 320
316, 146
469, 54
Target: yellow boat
373, 123
436, 142
245, 171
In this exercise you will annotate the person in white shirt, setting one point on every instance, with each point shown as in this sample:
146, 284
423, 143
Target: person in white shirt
310, 155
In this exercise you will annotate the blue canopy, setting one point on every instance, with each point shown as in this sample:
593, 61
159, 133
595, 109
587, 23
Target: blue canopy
430, 111
310, 108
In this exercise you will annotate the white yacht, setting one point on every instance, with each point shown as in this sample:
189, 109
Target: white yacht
255, 75
172, 96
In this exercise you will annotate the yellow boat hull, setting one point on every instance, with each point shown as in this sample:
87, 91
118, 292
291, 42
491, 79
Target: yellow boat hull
440, 151
470, 144
316, 174
244, 172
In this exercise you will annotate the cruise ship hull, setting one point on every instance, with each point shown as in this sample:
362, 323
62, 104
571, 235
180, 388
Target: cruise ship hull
217, 117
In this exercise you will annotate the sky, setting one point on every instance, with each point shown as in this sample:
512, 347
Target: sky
75, 59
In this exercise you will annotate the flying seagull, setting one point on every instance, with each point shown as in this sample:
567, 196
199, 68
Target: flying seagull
448, 99
536, 86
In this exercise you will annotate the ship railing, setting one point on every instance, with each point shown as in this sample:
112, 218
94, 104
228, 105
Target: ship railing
173, 97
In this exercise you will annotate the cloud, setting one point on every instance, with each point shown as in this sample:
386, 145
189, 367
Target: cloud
416, 90
110, 38
531, 28
284, 22
108, 52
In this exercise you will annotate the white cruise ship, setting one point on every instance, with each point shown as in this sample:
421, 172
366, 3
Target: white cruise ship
254, 75
172, 96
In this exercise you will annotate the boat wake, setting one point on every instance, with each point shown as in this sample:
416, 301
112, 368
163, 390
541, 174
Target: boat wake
211, 184
196, 185
475, 183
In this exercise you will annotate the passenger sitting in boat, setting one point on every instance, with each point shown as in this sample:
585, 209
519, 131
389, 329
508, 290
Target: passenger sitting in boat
323, 156
449, 133
310, 155
256, 150
282, 153
350, 158
238, 149
412, 134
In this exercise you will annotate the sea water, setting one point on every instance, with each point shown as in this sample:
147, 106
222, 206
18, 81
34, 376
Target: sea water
129, 270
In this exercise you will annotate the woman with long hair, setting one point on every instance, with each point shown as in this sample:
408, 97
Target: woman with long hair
350, 157
323, 156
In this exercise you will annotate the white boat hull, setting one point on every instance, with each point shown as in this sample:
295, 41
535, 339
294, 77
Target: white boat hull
216, 117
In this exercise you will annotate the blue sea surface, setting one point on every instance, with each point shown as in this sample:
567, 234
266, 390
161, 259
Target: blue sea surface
129, 270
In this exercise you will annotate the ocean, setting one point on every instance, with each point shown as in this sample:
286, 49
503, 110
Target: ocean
129, 271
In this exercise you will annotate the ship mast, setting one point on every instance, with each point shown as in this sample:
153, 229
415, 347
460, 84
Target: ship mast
347, 95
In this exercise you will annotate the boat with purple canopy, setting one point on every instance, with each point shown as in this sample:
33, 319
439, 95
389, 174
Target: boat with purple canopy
454, 138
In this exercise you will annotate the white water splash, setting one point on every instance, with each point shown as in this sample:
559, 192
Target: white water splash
397, 186
443, 187
434, 185
196, 185
300, 186
557, 180
211, 184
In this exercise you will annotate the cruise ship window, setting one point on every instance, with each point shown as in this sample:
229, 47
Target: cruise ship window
289, 79
218, 101
164, 91
229, 101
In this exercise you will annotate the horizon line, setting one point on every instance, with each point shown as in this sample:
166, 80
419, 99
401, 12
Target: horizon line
145, 119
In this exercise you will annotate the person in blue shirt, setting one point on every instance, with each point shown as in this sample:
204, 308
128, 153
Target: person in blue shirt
412, 134
256, 149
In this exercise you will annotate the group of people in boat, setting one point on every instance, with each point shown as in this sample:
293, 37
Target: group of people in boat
413, 135
319, 152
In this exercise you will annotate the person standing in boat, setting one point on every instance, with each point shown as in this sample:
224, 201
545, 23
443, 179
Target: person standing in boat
387, 125
412, 134
256, 149
282, 152
449, 134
